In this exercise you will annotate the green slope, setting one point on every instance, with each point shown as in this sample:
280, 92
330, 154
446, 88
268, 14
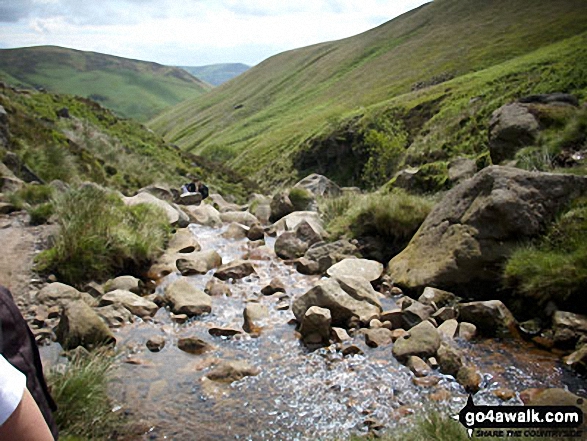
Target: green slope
131, 88
263, 120
217, 74
93, 144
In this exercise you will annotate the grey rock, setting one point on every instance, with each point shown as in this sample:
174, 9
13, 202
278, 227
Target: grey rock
241, 217
368, 269
193, 345
231, 371
199, 262
511, 127
379, 337
81, 326
253, 315
490, 317
185, 298
114, 315
236, 269
127, 283
135, 304
316, 326
422, 340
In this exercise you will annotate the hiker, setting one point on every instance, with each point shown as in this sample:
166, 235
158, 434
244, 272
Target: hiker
195, 187
21, 375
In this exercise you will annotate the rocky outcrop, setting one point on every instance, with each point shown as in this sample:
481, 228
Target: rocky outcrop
464, 241
343, 307
81, 326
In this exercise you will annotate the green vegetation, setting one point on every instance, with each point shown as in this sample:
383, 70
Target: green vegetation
95, 145
392, 218
131, 88
416, 90
216, 74
99, 236
80, 391
300, 198
555, 266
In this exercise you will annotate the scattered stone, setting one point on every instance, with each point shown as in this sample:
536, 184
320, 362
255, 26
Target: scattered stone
339, 335
275, 286
235, 231
433, 363
375, 324
190, 198
568, 328
426, 382
316, 326
183, 242
437, 297
327, 293
307, 267
415, 313
59, 294
282, 306
256, 232
359, 288
253, 314
217, 288
236, 269
467, 331
418, 366
240, 217
394, 316
179, 318
376, 338
449, 360
224, 332
368, 269
230, 371
504, 394
448, 329
126, 283
445, 313
280, 206
470, 378
198, 263
185, 298
422, 340
156, 343
319, 185
204, 214
398, 333
94, 289
193, 345
326, 254
81, 326
115, 315
492, 317
137, 305
352, 350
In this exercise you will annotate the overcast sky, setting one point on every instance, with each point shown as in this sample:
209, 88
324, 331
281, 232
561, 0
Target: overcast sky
190, 32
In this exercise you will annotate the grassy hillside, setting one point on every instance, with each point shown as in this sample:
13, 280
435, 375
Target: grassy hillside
409, 80
95, 145
217, 74
131, 88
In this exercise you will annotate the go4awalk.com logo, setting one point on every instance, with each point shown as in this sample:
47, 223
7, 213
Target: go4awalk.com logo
521, 421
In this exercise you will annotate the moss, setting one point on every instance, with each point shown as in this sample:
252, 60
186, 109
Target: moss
300, 198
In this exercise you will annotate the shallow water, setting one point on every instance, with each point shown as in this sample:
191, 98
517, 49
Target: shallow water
298, 395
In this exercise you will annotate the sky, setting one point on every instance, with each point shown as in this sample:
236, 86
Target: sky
190, 32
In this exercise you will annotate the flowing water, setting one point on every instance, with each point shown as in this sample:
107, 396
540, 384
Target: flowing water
298, 394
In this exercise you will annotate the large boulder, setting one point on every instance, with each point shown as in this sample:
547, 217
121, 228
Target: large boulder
319, 185
315, 328
511, 127
204, 214
185, 298
422, 340
240, 217
464, 241
81, 326
329, 294
368, 269
491, 317
137, 305
175, 216
59, 294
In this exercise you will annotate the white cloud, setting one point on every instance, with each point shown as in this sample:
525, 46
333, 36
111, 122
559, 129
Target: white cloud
192, 31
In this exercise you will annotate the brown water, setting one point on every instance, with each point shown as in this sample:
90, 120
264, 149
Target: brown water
298, 395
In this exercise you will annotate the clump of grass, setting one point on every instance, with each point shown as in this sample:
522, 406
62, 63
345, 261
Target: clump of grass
99, 236
555, 266
392, 218
300, 198
40, 214
80, 391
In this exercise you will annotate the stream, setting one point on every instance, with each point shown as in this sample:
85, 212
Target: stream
298, 394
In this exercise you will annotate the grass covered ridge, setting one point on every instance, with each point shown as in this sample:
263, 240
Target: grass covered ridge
301, 102
99, 236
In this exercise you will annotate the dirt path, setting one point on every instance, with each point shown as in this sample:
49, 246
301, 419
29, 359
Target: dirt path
18, 242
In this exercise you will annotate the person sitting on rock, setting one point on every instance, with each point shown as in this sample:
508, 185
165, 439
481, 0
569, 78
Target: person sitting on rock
202, 189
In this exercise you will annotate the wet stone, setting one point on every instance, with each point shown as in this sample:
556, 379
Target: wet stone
467, 331
238, 269
378, 337
426, 382
448, 329
470, 378
193, 345
230, 371
155, 343
352, 350
275, 286
418, 366
224, 332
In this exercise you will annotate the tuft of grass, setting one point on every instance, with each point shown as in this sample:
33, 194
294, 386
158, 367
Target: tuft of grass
99, 236
300, 198
80, 390
555, 266
391, 218
40, 214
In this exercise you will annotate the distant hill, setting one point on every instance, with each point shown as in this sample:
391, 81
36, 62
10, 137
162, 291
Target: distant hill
131, 88
217, 74
427, 81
